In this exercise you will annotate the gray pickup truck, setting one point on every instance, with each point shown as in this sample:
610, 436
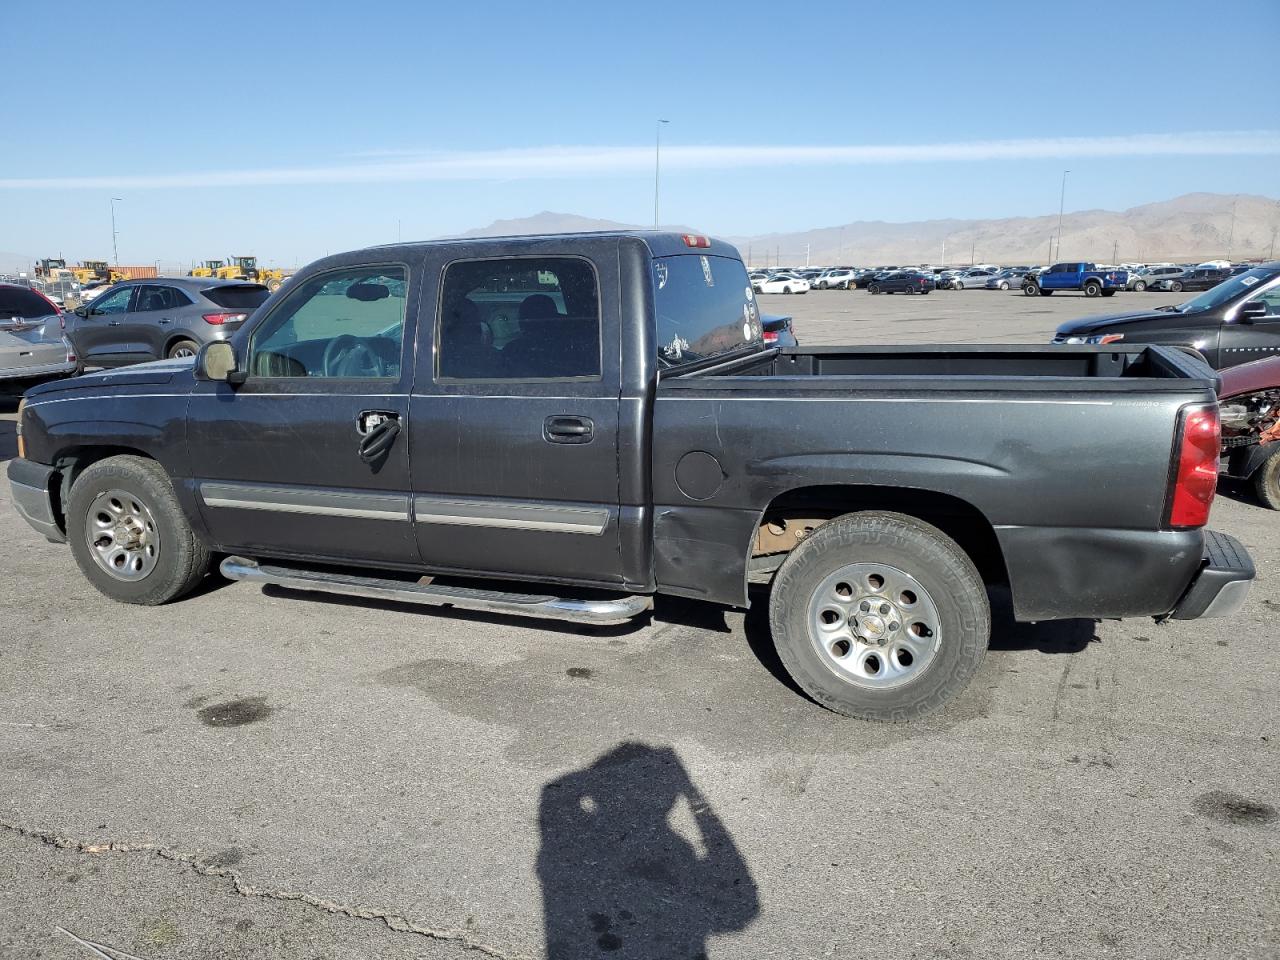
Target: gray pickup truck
598, 417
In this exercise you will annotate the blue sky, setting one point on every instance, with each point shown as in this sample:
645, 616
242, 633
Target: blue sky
292, 130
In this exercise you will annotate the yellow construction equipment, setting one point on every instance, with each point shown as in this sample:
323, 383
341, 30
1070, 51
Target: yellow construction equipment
246, 268
209, 268
46, 268
90, 270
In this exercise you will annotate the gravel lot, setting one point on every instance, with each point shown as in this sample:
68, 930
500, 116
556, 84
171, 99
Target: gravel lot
259, 774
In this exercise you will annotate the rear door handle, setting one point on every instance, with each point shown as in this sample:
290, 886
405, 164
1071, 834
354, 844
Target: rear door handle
165, 320
568, 429
113, 323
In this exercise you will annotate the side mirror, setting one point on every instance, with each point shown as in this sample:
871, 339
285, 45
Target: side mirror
82, 311
216, 362
1251, 311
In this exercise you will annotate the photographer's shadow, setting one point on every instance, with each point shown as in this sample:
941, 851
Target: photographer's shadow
618, 878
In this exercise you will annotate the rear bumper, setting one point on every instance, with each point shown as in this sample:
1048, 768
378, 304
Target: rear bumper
30, 484
38, 371
1220, 587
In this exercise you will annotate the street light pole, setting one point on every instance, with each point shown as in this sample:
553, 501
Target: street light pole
115, 252
1062, 202
657, 166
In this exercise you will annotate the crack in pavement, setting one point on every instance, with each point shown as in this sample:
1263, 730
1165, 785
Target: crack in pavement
392, 921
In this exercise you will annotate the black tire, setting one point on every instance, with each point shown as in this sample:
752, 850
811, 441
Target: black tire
182, 559
1139, 286
786, 289
1266, 482
1108, 293
1030, 290
1092, 288
928, 556
182, 348
1176, 286
874, 288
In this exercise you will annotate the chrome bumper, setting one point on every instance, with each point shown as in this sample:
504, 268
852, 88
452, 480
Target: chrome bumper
30, 485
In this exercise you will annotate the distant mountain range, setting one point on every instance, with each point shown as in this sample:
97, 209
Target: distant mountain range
1195, 227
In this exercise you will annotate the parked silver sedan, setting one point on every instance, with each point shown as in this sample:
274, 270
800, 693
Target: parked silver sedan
32, 344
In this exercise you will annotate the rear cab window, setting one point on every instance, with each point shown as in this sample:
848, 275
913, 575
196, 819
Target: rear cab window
704, 307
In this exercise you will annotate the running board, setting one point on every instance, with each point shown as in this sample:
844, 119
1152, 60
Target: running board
607, 611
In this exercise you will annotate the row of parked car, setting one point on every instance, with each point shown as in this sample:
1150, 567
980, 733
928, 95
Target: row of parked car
1108, 279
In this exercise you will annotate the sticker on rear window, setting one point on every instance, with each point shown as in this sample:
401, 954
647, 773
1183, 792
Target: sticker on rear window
661, 269
1248, 281
706, 272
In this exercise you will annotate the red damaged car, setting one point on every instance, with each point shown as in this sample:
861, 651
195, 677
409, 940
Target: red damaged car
1250, 405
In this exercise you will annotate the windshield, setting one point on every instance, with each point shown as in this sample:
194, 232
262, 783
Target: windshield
1227, 290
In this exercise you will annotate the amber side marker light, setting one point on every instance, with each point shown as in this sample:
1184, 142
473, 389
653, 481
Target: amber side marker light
22, 447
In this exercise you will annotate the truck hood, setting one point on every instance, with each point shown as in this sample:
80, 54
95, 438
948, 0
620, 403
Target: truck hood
1250, 378
1084, 325
142, 374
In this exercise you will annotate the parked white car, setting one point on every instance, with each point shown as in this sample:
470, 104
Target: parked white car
833, 280
784, 283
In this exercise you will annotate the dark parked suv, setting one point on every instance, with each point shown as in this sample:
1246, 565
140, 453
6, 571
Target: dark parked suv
141, 320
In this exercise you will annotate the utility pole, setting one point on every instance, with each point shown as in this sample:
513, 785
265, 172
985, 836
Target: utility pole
115, 252
972, 247
1062, 201
806, 254
657, 166
1115, 248
944, 251
1050, 263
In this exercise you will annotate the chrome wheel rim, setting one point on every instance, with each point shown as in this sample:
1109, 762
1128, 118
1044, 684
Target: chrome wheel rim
874, 625
184, 352
122, 535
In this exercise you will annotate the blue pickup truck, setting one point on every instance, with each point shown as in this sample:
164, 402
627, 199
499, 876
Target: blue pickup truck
1076, 276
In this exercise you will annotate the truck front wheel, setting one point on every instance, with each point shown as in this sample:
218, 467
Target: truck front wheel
1266, 481
129, 534
880, 616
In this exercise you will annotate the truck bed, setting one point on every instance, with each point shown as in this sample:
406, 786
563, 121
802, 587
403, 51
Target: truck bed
1060, 455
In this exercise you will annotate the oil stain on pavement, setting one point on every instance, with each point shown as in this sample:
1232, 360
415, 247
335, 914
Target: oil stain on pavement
1234, 809
235, 713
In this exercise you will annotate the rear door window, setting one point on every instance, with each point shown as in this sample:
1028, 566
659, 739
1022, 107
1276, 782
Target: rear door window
23, 304
704, 307
152, 297
519, 318
246, 297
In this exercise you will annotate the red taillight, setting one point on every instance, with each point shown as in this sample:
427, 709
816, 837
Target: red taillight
218, 319
694, 240
1199, 440
1111, 338
771, 336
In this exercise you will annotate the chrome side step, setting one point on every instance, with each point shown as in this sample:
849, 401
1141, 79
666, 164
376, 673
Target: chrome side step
613, 610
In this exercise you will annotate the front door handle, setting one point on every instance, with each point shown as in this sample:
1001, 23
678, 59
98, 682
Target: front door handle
165, 320
113, 323
568, 429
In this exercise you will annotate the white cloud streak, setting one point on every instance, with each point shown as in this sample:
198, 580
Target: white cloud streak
576, 161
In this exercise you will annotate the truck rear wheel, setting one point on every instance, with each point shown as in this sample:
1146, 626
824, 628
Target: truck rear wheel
1092, 289
1266, 481
880, 616
129, 534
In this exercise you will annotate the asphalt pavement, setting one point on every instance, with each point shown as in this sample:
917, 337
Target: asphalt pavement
257, 773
